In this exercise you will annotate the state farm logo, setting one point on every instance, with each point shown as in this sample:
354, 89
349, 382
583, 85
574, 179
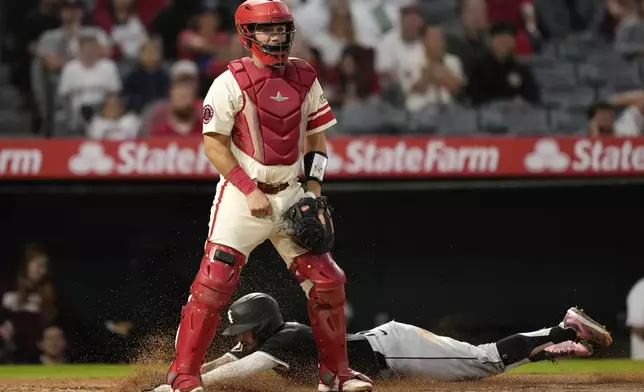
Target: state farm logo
587, 155
334, 164
91, 158
546, 156
20, 161
370, 156
140, 159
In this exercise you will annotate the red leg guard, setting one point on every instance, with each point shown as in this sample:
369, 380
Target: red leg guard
326, 313
211, 291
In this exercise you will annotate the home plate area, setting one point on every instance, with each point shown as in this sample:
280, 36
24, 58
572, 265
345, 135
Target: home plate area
624, 382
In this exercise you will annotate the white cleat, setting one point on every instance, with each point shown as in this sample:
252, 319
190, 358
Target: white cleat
352, 385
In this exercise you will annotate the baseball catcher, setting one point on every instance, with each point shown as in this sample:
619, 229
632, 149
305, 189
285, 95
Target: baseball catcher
391, 350
264, 119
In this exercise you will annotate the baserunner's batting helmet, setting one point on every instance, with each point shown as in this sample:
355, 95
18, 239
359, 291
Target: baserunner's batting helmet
256, 312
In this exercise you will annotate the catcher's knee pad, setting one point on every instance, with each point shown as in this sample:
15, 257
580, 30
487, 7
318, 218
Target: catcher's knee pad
218, 276
327, 278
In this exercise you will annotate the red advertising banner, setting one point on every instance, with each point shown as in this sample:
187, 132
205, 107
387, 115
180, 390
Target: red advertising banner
359, 157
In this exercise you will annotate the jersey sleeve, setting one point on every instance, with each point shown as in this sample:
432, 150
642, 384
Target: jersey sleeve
320, 116
279, 348
222, 103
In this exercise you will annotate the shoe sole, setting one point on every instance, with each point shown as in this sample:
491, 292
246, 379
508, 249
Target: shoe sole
583, 318
361, 389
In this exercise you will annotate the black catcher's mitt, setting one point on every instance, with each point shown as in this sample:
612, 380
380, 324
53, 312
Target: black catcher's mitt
308, 222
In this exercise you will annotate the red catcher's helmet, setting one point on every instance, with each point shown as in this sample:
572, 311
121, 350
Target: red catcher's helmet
252, 14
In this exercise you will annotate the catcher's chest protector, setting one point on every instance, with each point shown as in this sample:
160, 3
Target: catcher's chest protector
271, 124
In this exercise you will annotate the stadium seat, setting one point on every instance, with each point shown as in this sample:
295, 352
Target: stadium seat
539, 61
567, 123
457, 120
363, 117
582, 46
492, 120
14, 124
8, 97
617, 74
439, 11
561, 74
575, 98
531, 121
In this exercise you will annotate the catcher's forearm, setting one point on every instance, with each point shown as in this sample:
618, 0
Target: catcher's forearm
216, 149
317, 143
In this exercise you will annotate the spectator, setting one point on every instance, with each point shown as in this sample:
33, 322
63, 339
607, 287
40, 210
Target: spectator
203, 41
185, 71
341, 32
113, 122
149, 81
146, 11
43, 18
401, 48
32, 304
180, 117
85, 82
434, 77
124, 26
631, 120
52, 345
171, 21
629, 38
559, 19
371, 19
497, 75
468, 40
355, 77
522, 15
635, 319
58, 46
601, 119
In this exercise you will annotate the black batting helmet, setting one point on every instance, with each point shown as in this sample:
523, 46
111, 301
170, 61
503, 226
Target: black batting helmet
256, 312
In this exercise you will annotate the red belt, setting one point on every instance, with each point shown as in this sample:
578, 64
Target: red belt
271, 189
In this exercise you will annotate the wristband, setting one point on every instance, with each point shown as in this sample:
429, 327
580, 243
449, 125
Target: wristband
240, 179
315, 165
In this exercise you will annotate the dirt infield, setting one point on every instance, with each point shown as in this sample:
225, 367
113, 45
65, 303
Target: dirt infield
504, 383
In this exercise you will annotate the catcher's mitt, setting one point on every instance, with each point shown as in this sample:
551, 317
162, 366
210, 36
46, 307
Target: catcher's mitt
308, 222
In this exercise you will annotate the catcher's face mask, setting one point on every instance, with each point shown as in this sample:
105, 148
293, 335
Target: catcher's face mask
309, 224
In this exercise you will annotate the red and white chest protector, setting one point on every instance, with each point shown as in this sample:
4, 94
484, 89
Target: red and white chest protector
271, 125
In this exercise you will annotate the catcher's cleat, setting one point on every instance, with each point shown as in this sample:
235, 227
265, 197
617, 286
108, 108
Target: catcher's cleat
587, 328
160, 388
358, 383
568, 348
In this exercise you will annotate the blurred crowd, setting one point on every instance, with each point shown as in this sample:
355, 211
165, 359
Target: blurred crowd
117, 69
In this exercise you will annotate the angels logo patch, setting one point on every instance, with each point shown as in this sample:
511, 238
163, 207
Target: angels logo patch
207, 114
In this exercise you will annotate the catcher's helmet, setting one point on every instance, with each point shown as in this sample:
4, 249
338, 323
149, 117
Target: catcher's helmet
256, 312
253, 13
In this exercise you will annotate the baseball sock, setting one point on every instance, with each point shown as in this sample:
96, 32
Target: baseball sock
517, 349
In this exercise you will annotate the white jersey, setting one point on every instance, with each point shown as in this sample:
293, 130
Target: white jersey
88, 86
635, 318
225, 100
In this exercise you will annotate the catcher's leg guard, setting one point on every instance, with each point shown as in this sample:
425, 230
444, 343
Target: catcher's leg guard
326, 312
211, 291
